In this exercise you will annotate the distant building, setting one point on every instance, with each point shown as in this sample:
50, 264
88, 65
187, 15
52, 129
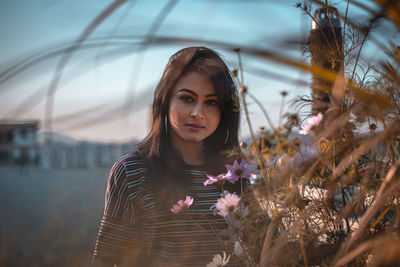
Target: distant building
19, 142
83, 154
20, 145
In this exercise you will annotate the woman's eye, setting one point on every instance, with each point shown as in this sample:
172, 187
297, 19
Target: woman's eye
212, 102
186, 99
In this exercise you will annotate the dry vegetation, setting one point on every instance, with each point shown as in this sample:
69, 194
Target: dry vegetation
337, 202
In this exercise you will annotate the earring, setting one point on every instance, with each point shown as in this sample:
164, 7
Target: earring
166, 125
227, 136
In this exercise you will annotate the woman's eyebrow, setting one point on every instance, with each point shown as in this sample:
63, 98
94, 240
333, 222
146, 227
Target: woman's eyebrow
188, 91
193, 93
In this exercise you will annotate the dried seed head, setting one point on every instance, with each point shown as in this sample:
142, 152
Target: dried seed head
294, 119
296, 141
243, 145
234, 72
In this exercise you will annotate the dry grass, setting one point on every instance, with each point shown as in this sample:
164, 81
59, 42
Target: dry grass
336, 203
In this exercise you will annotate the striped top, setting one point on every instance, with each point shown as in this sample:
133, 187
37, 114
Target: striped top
135, 232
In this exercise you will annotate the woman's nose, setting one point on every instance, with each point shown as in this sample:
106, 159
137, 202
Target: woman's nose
197, 111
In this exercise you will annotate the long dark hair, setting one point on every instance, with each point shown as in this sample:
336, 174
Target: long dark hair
219, 145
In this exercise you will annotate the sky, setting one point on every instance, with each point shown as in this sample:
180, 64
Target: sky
106, 88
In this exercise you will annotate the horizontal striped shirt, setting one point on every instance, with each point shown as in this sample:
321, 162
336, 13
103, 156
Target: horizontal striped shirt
135, 231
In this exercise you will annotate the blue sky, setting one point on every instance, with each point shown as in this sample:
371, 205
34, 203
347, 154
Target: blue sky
98, 80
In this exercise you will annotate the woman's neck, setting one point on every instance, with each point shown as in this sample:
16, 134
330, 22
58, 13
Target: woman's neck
191, 152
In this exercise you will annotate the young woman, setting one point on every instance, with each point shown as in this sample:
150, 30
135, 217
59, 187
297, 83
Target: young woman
194, 132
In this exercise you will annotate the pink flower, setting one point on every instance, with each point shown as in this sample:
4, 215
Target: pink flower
226, 204
218, 260
311, 122
182, 205
214, 179
236, 171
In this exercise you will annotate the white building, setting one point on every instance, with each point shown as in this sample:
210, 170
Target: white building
19, 142
84, 154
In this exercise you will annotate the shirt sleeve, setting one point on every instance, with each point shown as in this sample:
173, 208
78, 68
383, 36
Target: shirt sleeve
118, 237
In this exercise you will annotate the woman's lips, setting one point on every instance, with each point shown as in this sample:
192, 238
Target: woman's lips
194, 126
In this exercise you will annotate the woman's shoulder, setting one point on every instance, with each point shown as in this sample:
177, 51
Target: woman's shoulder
133, 163
133, 157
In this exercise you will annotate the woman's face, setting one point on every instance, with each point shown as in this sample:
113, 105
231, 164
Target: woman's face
193, 108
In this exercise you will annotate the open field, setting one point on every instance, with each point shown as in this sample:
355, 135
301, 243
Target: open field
50, 217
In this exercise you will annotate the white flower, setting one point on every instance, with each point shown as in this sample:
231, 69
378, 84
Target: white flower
218, 260
238, 249
256, 179
311, 122
236, 218
282, 160
226, 204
